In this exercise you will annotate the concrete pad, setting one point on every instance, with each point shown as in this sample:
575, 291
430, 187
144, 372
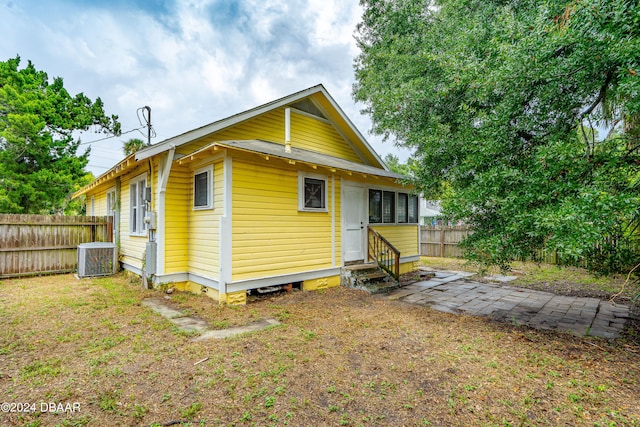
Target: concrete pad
162, 307
452, 293
230, 332
194, 324
500, 278
427, 284
190, 324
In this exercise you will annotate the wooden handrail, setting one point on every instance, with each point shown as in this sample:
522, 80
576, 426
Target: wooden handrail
383, 253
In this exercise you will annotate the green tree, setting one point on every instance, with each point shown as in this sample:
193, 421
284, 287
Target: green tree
499, 100
132, 145
395, 165
39, 160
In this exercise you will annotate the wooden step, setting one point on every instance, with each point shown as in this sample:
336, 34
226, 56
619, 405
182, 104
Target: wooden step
360, 267
372, 276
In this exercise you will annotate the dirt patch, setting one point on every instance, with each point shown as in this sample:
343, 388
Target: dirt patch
340, 357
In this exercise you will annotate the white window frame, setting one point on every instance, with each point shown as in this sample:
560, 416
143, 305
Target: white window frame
139, 227
111, 202
209, 171
302, 176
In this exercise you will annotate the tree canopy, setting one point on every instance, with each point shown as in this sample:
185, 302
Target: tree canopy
40, 163
502, 102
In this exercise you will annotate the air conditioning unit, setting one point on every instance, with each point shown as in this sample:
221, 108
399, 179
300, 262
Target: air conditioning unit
97, 259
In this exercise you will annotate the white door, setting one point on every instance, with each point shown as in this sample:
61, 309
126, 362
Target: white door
354, 222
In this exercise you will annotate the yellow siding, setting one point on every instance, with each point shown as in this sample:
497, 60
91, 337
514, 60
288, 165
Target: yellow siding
408, 267
306, 132
99, 202
322, 283
204, 226
403, 237
269, 127
270, 236
176, 222
316, 135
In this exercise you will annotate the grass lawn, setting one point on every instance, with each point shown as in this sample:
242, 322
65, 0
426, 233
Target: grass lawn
340, 357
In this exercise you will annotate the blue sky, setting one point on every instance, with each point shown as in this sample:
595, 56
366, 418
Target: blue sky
193, 62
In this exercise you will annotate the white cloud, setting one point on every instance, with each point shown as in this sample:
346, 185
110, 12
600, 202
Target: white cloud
195, 62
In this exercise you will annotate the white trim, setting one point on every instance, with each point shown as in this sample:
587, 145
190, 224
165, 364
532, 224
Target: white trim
312, 116
226, 235
209, 171
111, 190
243, 285
409, 258
132, 268
142, 231
301, 198
161, 232
112, 205
333, 220
178, 277
364, 218
171, 278
204, 281
287, 125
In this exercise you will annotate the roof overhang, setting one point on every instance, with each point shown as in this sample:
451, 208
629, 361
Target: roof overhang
271, 150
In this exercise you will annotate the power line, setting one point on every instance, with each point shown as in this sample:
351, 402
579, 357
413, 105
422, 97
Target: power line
112, 136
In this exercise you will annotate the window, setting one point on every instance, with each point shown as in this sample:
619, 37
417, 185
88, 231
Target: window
413, 209
403, 201
203, 188
111, 202
312, 193
388, 207
375, 206
382, 207
385, 209
138, 208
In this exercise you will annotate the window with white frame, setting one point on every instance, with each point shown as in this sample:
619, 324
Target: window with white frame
111, 202
203, 188
111, 209
312, 193
138, 205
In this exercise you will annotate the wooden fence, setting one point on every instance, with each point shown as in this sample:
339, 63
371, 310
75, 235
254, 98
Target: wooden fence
39, 244
441, 241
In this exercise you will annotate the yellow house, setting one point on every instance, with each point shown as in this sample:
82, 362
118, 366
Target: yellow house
287, 192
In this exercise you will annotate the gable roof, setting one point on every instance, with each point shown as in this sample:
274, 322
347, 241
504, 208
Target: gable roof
326, 105
332, 111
